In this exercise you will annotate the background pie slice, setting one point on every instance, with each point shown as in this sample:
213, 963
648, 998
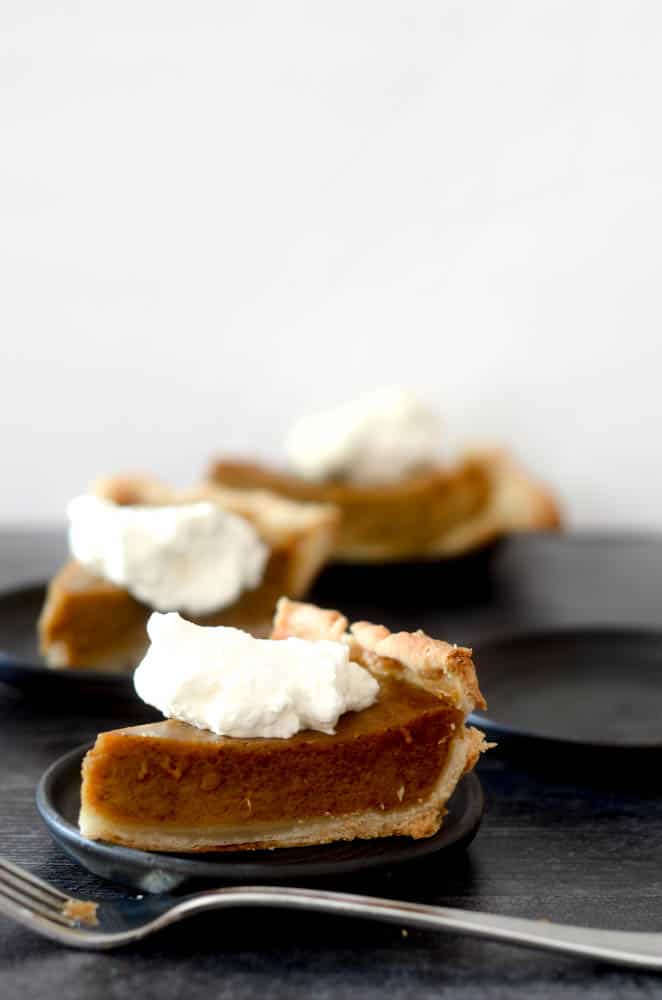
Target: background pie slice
387, 770
439, 511
88, 622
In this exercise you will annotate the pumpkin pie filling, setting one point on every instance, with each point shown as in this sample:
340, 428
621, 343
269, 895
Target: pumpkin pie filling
388, 755
393, 521
388, 769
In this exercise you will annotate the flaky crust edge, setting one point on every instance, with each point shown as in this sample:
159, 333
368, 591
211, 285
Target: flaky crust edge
444, 670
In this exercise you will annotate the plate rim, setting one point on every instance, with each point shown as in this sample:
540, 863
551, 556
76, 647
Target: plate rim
221, 865
544, 634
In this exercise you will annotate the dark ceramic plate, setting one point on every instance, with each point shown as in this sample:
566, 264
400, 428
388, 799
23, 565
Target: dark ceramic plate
22, 665
597, 687
448, 582
58, 802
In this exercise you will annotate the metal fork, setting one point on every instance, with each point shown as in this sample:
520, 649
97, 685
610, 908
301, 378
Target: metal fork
41, 907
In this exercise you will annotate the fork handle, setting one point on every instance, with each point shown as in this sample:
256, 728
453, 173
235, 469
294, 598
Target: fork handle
642, 950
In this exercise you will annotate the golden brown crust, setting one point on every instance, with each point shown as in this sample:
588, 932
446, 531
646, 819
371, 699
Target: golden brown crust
476, 745
445, 670
307, 621
441, 668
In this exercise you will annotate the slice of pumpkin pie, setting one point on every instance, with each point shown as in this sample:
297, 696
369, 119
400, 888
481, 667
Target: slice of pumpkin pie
324, 732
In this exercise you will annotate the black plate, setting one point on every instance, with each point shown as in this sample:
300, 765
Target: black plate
58, 802
22, 665
451, 581
596, 687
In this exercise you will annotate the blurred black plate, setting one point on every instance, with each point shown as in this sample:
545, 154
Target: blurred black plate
591, 687
448, 582
22, 665
58, 802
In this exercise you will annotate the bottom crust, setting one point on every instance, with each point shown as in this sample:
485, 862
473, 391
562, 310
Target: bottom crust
420, 820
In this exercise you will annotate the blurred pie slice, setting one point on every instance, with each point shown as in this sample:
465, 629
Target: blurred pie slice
435, 512
89, 622
388, 769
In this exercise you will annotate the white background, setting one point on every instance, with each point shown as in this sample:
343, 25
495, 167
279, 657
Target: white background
216, 216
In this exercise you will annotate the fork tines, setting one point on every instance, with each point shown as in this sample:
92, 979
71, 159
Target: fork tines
28, 892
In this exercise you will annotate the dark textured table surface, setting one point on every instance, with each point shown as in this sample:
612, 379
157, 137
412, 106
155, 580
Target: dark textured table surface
560, 839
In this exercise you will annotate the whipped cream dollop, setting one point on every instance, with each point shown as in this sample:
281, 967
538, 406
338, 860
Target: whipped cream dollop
194, 558
378, 438
224, 680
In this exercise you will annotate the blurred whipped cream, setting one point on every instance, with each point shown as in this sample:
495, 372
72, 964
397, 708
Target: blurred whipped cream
194, 558
224, 680
378, 438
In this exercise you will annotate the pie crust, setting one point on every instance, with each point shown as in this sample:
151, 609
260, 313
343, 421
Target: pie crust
388, 770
